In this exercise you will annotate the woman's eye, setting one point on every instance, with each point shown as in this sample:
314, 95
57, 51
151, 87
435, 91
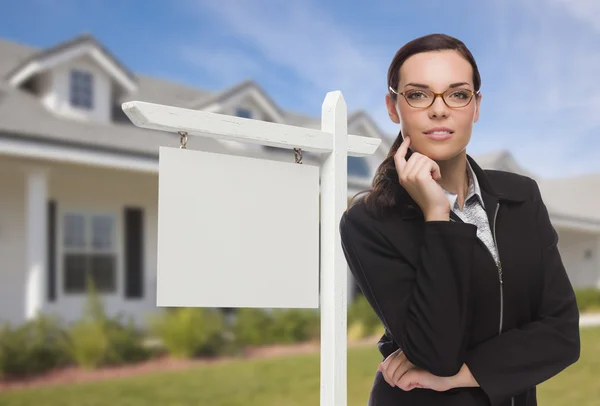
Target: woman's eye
460, 95
416, 95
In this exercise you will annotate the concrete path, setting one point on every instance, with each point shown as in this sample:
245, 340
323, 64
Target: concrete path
589, 320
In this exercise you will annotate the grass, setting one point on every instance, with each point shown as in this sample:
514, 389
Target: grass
285, 381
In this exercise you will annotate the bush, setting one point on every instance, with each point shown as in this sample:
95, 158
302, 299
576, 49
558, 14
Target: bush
588, 300
360, 311
190, 332
252, 326
34, 347
356, 331
295, 325
98, 340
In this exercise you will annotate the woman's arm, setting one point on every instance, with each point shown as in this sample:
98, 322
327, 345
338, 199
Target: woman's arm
425, 310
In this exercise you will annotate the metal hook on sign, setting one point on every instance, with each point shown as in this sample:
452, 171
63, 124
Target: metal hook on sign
298, 155
183, 139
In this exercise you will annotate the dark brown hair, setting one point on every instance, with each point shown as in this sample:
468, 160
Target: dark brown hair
385, 185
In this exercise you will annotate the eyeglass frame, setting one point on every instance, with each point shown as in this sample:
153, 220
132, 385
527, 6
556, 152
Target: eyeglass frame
435, 96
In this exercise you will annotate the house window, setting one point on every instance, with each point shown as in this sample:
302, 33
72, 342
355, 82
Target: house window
89, 251
82, 89
243, 112
357, 166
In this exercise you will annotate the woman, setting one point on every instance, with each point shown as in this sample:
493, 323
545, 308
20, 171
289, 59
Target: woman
460, 264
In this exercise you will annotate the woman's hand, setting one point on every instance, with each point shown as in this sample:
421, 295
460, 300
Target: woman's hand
394, 367
419, 176
419, 378
401, 373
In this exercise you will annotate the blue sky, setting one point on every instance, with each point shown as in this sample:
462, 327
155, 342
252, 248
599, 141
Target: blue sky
539, 59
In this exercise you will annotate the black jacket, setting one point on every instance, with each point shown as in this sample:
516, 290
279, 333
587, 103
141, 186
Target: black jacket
443, 300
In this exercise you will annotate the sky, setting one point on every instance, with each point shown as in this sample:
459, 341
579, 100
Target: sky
539, 59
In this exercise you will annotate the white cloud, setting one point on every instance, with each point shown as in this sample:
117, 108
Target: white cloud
588, 11
546, 97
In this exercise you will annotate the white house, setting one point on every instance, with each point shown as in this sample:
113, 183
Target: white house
79, 182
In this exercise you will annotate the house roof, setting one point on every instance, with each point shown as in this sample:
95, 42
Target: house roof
502, 160
23, 116
573, 195
244, 86
84, 39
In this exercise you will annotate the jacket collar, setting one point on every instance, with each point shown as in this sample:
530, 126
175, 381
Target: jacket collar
491, 193
497, 190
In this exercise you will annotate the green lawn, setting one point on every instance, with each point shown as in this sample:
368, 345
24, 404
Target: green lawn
286, 381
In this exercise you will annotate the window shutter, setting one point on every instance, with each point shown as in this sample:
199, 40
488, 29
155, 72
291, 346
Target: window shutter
134, 252
51, 252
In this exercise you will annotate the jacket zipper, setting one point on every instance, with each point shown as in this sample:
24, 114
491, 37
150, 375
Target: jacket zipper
512, 399
500, 278
499, 266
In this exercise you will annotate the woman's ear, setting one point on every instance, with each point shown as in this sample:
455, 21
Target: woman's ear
392, 108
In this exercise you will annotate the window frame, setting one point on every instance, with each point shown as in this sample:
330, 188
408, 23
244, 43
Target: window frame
81, 97
115, 251
238, 109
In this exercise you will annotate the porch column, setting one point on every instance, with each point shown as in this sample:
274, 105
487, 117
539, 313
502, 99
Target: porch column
351, 284
35, 216
597, 257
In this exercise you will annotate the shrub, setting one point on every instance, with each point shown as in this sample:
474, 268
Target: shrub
88, 344
252, 326
361, 311
97, 340
356, 331
295, 325
189, 332
34, 347
588, 299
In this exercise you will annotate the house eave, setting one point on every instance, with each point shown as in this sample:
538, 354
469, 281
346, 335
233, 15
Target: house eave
77, 154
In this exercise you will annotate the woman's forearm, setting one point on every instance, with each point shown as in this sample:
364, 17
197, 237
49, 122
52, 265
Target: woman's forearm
464, 379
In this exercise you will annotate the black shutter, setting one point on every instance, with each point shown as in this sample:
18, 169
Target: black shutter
134, 252
51, 252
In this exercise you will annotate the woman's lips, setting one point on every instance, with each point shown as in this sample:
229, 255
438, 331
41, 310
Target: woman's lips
439, 135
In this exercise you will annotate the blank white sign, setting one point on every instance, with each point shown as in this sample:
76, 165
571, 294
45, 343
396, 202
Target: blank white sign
236, 231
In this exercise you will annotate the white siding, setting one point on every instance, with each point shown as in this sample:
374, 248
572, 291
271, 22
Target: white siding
91, 189
583, 272
12, 242
57, 98
78, 188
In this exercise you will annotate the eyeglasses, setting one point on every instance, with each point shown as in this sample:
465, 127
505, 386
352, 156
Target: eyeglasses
423, 98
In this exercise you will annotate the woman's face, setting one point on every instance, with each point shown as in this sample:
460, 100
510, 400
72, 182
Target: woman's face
438, 71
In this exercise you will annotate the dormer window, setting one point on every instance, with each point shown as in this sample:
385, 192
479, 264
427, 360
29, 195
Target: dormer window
81, 89
243, 112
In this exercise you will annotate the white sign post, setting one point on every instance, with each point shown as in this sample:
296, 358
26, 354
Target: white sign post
236, 231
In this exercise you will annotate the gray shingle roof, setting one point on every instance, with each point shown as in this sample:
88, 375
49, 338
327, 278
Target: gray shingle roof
576, 196
65, 45
13, 54
23, 116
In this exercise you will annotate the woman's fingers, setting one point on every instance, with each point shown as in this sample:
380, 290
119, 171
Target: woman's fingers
400, 156
401, 369
389, 366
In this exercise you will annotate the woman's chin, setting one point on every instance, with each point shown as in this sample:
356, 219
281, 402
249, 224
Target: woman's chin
439, 150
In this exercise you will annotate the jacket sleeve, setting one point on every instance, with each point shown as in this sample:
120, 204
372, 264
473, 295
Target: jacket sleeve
424, 309
525, 357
